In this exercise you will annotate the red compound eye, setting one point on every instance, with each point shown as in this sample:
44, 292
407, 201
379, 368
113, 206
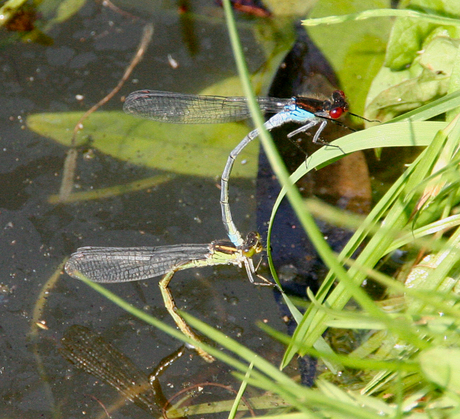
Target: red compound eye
336, 113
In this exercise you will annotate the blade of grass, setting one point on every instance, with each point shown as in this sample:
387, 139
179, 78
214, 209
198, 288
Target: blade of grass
379, 13
242, 389
266, 376
313, 325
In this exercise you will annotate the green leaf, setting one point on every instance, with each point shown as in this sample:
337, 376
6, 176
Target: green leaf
442, 366
356, 50
56, 12
395, 92
406, 39
409, 35
197, 150
67, 9
288, 8
419, 61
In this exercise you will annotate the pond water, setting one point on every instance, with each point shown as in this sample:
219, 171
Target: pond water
89, 54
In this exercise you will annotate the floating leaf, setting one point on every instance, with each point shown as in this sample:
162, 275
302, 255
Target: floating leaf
67, 9
55, 12
198, 150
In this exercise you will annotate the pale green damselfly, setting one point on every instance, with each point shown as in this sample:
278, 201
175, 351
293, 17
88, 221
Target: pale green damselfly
126, 264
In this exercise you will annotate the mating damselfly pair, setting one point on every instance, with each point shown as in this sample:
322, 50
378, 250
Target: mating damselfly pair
114, 265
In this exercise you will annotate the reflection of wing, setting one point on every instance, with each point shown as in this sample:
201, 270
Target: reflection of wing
90, 352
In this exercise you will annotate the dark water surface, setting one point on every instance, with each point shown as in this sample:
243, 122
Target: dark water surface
89, 55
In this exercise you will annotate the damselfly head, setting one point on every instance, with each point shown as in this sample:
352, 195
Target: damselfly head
339, 105
336, 107
252, 244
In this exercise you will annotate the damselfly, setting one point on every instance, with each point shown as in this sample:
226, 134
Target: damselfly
195, 109
126, 264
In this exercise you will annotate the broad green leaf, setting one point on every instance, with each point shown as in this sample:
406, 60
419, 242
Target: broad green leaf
356, 50
442, 366
407, 38
409, 35
67, 9
419, 62
57, 11
289, 7
198, 150
396, 92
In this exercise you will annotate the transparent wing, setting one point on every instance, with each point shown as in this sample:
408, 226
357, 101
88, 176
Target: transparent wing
125, 264
181, 108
